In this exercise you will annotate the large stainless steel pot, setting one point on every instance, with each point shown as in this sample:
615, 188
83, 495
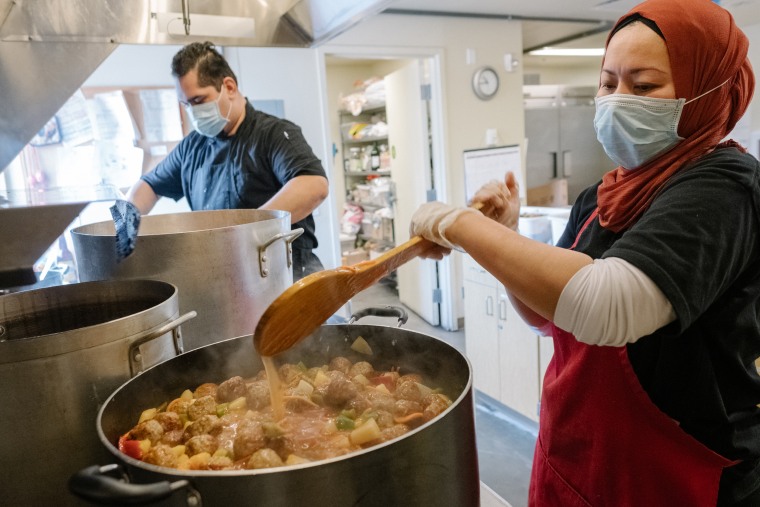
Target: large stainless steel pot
228, 265
434, 465
63, 351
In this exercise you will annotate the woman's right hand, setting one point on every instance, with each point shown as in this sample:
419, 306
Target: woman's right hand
501, 201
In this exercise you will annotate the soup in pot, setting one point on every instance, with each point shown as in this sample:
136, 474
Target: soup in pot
327, 411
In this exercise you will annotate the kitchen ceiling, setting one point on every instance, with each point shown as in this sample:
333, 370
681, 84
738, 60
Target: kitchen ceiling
559, 23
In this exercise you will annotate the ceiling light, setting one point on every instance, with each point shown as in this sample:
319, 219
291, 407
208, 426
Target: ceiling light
547, 51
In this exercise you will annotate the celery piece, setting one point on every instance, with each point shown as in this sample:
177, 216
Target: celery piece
272, 430
221, 409
344, 423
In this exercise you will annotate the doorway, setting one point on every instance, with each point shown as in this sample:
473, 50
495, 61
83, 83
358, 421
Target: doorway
412, 110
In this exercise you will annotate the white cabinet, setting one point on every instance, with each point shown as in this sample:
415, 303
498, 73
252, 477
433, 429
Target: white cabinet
481, 340
507, 356
518, 361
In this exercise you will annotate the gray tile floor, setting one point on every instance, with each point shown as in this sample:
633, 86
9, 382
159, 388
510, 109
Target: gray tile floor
505, 439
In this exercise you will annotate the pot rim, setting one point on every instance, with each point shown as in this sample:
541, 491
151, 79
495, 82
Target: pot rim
52, 344
105, 228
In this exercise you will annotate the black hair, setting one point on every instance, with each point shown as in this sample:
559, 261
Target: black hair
211, 66
634, 18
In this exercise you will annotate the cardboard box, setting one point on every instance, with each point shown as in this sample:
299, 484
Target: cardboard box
354, 256
551, 194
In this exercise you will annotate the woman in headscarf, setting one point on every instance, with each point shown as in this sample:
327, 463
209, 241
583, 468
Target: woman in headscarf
653, 299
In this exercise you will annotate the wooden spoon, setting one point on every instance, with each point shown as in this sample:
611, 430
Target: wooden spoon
308, 303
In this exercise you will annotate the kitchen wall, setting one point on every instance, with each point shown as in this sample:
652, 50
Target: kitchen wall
753, 33
585, 73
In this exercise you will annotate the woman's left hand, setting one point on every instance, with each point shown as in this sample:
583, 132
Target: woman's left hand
500, 200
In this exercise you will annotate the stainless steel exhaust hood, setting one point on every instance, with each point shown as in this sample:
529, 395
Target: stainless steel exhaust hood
48, 48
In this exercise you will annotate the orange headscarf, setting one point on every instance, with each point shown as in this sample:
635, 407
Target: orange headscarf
705, 49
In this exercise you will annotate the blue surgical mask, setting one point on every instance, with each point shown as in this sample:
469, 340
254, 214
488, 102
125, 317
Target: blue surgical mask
634, 130
207, 119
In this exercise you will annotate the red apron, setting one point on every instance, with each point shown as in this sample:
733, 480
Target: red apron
602, 442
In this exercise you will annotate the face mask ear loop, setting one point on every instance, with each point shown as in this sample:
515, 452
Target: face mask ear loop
229, 111
708, 91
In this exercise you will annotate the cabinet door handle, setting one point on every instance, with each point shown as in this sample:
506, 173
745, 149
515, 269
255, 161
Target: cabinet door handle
489, 305
502, 310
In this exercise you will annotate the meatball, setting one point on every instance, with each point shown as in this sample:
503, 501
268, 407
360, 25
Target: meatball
359, 404
201, 443
340, 364
408, 391
406, 407
249, 439
394, 431
414, 377
161, 455
169, 421
150, 429
202, 406
264, 458
257, 395
380, 400
436, 403
173, 437
178, 406
231, 389
361, 368
206, 424
207, 389
339, 392
384, 419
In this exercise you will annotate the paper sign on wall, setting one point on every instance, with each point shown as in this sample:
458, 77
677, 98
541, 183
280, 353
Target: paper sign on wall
485, 164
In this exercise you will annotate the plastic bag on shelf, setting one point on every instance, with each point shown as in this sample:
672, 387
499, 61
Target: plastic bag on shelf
351, 221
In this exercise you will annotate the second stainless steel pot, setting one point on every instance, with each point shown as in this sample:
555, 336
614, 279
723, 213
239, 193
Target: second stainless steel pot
63, 351
228, 265
433, 465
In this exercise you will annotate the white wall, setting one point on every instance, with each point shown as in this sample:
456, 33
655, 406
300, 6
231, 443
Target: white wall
584, 74
753, 34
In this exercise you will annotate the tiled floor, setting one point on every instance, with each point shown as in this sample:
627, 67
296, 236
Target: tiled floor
505, 438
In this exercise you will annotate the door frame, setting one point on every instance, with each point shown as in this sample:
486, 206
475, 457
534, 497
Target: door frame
446, 273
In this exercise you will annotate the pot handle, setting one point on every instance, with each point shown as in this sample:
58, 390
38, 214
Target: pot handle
135, 357
92, 484
386, 311
289, 237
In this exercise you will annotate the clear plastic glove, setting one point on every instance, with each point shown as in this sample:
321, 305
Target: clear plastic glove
501, 201
433, 218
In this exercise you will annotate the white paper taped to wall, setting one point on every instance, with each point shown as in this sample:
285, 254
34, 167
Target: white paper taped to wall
485, 164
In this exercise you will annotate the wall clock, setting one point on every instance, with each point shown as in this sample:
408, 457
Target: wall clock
485, 83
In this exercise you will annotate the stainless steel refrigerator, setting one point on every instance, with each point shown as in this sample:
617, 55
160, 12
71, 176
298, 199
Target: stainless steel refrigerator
559, 126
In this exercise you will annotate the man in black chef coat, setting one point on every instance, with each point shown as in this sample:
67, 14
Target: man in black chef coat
236, 157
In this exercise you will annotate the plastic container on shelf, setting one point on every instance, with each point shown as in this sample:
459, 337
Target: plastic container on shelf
536, 226
385, 158
354, 159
